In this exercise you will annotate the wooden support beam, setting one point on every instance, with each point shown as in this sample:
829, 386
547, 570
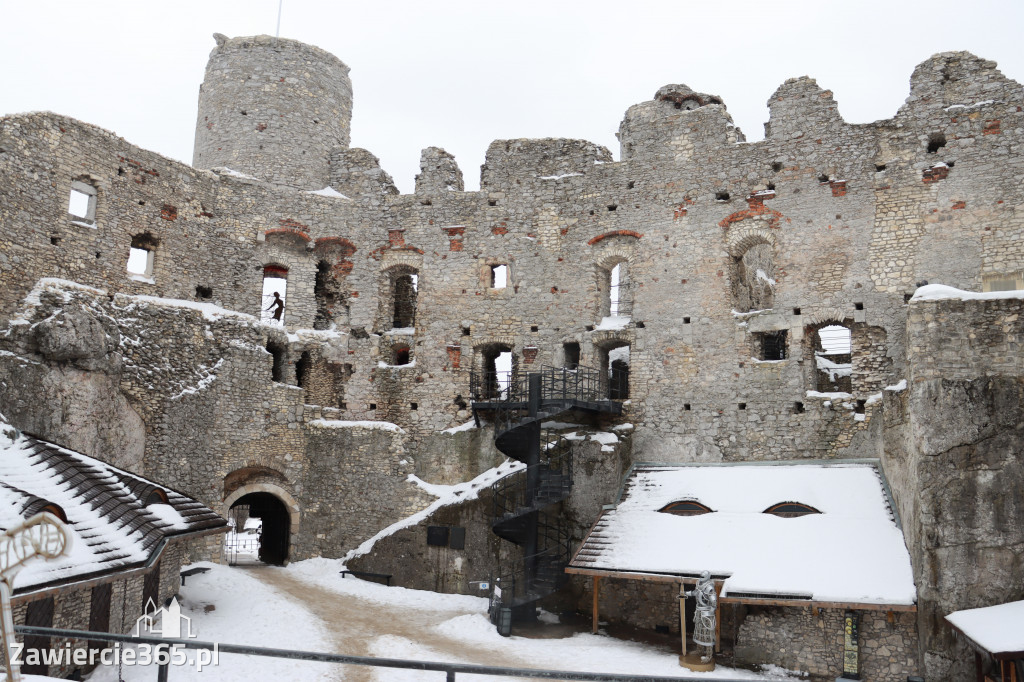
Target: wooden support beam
718, 615
594, 608
682, 615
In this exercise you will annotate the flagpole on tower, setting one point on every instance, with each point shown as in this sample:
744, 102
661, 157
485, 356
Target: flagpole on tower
278, 34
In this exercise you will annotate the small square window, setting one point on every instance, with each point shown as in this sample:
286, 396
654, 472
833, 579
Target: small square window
770, 345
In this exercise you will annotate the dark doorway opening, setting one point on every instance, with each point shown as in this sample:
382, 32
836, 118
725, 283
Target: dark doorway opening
276, 525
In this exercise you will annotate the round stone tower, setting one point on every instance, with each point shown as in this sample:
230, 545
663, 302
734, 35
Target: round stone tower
273, 109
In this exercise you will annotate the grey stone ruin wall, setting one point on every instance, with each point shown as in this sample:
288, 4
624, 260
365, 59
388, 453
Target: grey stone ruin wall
887, 642
954, 460
849, 219
274, 109
188, 399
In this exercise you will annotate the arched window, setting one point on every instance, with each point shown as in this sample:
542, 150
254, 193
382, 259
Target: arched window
753, 278
686, 508
497, 372
615, 291
400, 354
331, 301
275, 293
789, 510
614, 361
277, 350
302, 368
404, 289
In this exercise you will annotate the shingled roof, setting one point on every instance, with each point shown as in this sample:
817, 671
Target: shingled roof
113, 528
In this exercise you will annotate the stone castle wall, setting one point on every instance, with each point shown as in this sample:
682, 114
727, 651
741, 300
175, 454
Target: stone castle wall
728, 248
888, 641
273, 108
953, 456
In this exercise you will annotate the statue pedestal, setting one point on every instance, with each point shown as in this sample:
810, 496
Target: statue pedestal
693, 662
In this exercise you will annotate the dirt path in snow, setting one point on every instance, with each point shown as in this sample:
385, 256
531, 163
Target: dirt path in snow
355, 623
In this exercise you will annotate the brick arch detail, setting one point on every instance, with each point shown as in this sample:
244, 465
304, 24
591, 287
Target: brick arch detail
391, 259
740, 240
615, 254
615, 233
827, 316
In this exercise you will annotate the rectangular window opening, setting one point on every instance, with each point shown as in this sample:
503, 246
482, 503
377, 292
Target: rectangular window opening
499, 276
140, 262
82, 202
571, 355
771, 345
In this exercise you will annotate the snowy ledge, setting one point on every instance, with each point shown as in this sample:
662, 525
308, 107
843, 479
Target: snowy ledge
210, 311
328, 192
613, 323
901, 386
941, 292
471, 424
559, 177
836, 395
367, 424
446, 495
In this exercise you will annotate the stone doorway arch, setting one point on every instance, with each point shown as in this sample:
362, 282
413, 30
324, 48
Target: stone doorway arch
279, 513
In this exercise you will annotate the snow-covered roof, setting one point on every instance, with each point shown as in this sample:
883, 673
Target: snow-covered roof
111, 527
852, 552
996, 629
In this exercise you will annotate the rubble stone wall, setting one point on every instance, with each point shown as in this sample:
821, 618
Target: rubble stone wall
812, 640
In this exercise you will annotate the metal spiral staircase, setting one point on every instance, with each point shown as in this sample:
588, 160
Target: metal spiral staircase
522, 501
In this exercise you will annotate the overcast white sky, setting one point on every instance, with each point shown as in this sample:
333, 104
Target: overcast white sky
459, 74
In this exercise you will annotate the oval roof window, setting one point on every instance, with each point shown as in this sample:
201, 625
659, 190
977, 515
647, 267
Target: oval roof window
789, 510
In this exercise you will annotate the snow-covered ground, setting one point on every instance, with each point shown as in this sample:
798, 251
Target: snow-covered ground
259, 607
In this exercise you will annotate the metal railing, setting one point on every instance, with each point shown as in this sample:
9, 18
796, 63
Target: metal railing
554, 471
557, 383
449, 669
